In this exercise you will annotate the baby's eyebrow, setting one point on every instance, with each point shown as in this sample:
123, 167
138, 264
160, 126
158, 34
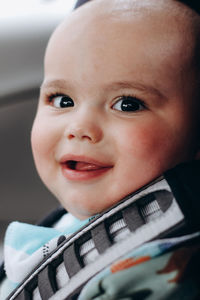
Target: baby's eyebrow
57, 83
134, 85
112, 86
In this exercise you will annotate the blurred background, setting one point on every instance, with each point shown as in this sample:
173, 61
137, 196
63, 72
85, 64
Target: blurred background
25, 27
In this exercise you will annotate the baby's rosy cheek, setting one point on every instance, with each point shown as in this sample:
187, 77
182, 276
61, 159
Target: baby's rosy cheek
39, 141
144, 140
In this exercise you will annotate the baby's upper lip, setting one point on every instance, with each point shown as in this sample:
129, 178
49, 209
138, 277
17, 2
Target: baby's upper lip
81, 158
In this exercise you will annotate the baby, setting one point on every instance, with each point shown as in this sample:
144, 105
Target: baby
119, 104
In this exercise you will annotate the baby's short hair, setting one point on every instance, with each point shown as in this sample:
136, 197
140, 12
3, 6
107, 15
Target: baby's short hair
193, 4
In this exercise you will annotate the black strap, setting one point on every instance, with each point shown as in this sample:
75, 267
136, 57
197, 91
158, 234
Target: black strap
71, 260
100, 237
2, 272
47, 282
132, 217
24, 295
80, 2
184, 181
52, 217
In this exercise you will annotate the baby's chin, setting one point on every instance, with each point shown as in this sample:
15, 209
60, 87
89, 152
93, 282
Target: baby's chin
87, 210
88, 206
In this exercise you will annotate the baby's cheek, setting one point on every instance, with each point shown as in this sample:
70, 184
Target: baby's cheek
42, 137
37, 140
145, 141
43, 150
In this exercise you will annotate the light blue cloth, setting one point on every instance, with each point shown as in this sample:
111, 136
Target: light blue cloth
26, 245
29, 238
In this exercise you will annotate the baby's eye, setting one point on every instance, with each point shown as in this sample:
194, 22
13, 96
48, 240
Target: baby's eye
129, 104
61, 101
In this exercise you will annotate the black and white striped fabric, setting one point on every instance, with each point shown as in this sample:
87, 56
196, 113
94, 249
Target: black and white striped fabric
167, 207
141, 217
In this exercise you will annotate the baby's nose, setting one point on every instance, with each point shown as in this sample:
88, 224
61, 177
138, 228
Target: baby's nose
88, 131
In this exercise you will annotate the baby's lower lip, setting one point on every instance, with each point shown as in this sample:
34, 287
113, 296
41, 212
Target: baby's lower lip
83, 174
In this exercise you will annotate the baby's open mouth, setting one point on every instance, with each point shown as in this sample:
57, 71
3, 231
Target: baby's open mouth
82, 166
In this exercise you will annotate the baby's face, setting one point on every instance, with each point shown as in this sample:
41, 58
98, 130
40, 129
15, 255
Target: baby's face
117, 108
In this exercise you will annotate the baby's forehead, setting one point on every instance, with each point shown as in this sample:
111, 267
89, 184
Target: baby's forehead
135, 8
98, 16
164, 14
163, 23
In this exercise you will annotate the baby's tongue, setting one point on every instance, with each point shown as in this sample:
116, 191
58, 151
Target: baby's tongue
83, 166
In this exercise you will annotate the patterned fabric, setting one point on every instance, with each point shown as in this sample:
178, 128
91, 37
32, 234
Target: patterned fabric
131, 268
164, 269
26, 245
